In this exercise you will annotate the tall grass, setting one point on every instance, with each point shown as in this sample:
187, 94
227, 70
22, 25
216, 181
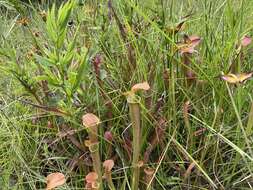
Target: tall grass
196, 130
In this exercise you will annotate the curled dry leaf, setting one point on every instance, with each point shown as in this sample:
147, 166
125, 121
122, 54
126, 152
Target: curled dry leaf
108, 165
246, 41
90, 120
236, 78
91, 177
55, 180
140, 86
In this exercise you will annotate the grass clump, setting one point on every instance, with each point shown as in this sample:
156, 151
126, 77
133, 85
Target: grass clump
189, 128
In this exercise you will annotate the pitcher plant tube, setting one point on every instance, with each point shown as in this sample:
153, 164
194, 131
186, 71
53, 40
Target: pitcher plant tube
135, 115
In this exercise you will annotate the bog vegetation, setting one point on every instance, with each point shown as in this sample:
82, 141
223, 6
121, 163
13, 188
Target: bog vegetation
126, 94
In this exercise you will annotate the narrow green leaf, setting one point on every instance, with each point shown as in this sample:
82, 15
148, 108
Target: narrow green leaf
51, 24
44, 61
79, 73
236, 148
70, 50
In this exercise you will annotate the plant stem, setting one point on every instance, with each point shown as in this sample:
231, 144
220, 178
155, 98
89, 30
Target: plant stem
91, 122
94, 150
134, 110
109, 180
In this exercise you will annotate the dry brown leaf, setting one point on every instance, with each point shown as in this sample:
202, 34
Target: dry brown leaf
55, 180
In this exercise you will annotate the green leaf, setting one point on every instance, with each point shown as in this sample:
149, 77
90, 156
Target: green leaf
16, 4
41, 78
80, 73
46, 64
64, 14
61, 38
51, 24
62, 21
44, 61
70, 50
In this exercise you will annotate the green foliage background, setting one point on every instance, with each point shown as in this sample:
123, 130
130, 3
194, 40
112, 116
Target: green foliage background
87, 54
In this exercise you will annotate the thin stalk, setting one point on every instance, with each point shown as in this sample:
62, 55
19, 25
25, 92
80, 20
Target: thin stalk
239, 120
250, 122
94, 150
109, 180
91, 122
134, 110
190, 137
